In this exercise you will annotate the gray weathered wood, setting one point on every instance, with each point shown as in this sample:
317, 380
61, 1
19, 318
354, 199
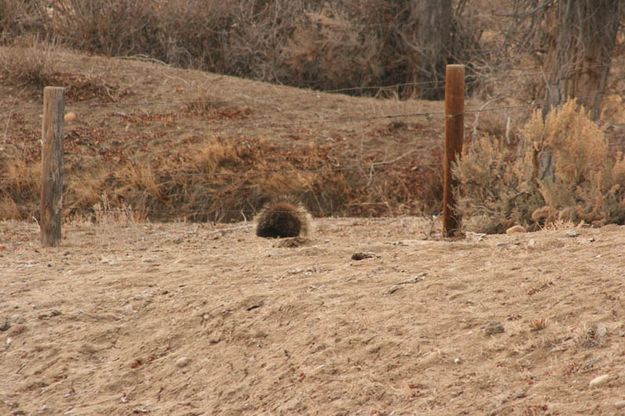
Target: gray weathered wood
52, 166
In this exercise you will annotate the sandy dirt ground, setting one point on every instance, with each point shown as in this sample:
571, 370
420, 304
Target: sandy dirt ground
189, 319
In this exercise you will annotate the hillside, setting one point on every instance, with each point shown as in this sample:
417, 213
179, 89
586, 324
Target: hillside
176, 143
170, 144
183, 319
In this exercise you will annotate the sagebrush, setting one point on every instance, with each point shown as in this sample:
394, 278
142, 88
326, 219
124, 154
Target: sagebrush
561, 170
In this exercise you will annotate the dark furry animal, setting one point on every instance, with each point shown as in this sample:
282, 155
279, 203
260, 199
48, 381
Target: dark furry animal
282, 220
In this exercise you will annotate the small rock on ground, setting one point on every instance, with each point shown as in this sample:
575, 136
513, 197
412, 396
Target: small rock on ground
493, 328
69, 117
599, 381
183, 362
516, 229
572, 232
362, 256
4, 326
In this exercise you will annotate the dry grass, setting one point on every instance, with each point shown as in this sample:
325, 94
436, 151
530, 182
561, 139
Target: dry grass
218, 181
113, 27
85, 190
80, 87
31, 67
20, 183
105, 213
133, 154
226, 181
18, 17
206, 105
36, 66
9, 210
538, 324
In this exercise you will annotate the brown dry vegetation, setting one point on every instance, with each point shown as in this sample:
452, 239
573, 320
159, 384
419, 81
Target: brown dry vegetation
363, 168
503, 184
326, 45
170, 143
131, 317
175, 144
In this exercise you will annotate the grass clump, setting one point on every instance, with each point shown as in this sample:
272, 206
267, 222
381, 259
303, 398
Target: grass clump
497, 185
582, 181
27, 67
20, 183
229, 179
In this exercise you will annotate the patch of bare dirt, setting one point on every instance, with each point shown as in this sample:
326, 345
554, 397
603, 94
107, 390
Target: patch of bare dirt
191, 319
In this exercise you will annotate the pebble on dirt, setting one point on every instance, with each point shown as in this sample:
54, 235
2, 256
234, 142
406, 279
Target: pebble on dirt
599, 381
69, 117
183, 362
5, 326
362, 256
516, 229
572, 232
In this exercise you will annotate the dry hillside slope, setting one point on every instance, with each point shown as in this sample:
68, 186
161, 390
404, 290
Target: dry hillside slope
176, 143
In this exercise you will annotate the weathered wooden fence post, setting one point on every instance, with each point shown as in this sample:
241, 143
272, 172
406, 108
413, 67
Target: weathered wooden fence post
52, 166
454, 135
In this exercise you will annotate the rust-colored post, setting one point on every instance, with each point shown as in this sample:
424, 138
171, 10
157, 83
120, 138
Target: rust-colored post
454, 135
52, 166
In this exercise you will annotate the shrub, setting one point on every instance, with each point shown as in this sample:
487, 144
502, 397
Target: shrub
325, 45
560, 171
112, 27
328, 50
193, 33
18, 17
586, 183
497, 186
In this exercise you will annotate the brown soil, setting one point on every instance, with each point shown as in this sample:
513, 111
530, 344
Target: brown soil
186, 319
